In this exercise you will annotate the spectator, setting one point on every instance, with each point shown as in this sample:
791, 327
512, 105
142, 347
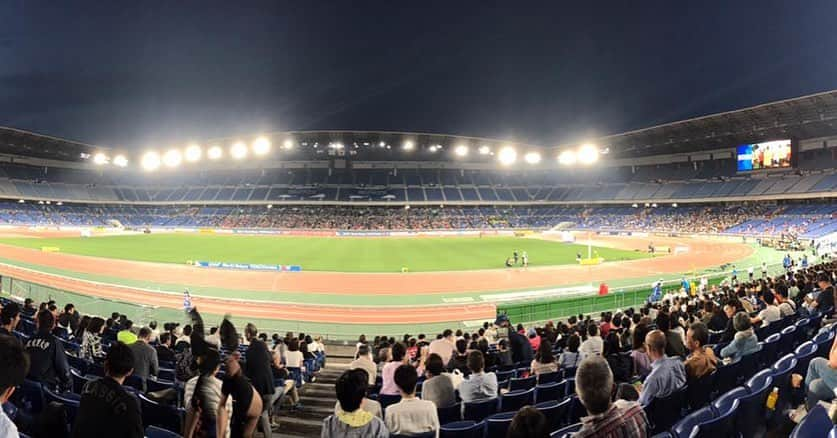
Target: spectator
91, 340
820, 381
246, 403
639, 353
594, 385
570, 358
701, 360
48, 361
353, 421
164, 351
718, 320
105, 405
521, 348
528, 422
368, 405
544, 361
479, 385
398, 352
438, 387
620, 364
257, 368
14, 364
824, 300
594, 345
674, 342
364, 362
444, 347
126, 335
770, 313
155, 334
9, 318
293, 357
504, 357
145, 357
745, 341
411, 415
459, 361
730, 309
667, 373
534, 339
201, 397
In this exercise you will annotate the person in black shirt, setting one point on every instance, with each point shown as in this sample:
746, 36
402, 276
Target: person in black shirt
521, 349
49, 361
164, 351
9, 318
825, 300
247, 405
106, 409
14, 363
258, 370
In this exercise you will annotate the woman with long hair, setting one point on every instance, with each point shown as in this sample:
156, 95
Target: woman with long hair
544, 361
91, 340
202, 397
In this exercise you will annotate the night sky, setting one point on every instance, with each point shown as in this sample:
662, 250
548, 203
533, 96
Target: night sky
156, 73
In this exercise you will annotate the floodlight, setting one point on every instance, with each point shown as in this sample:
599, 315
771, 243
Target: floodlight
172, 158
674, 205
215, 152
20, 201
461, 150
100, 159
433, 148
40, 202
48, 202
193, 153
654, 205
120, 161
269, 206
588, 154
382, 144
567, 158
634, 205
59, 203
532, 157
238, 150
288, 144
151, 161
408, 145
507, 156
406, 207
261, 146
485, 150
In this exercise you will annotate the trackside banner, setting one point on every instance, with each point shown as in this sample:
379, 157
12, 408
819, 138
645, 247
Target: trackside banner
248, 266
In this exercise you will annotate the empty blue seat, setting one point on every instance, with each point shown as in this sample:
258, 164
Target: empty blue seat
699, 391
759, 380
727, 377
549, 377
33, 396
804, 353
684, 427
824, 341
497, 425
163, 416
576, 411
514, 400
566, 431
522, 383
550, 391
462, 429
479, 410
769, 350
450, 413
748, 366
750, 420
69, 400
79, 380
722, 426
815, 424
788, 341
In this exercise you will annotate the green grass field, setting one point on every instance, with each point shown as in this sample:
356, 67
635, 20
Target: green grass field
328, 254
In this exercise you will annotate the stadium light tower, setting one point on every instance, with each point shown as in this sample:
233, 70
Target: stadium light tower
567, 158
193, 153
461, 150
100, 159
532, 157
288, 144
238, 150
507, 156
172, 158
261, 146
588, 154
120, 161
151, 161
215, 152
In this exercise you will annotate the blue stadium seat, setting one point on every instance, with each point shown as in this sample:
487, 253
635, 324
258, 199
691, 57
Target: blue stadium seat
748, 365
699, 392
522, 383
721, 426
663, 412
787, 344
759, 380
514, 400
163, 416
69, 400
450, 414
497, 425
462, 429
576, 410
815, 424
555, 411
769, 350
824, 341
751, 420
550, 391
33, 397
549, 377
479, 410
566, 431
726, 377
684, 427
804, 353
156, 432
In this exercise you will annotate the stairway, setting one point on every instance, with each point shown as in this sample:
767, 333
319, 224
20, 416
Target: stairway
318, 398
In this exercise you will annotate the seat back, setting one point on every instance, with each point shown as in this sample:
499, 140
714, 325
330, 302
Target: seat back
824, 341
663, 412
750, 419
450, 413
684, 427
517, 384
699, 391
566, 431
769, 350
388, 399
462, 429
576, 411
787, 343
479, 410
804, 353
721, 426
759, 380
544, 378
555, 412
497, 425
33, 396
815, 424
748, 366
514, 400
156, 432
156, 414
550, 391
727, 377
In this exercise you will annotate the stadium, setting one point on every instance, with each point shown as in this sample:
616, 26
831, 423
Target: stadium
345, 235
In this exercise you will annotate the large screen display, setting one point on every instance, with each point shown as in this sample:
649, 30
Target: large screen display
767, 155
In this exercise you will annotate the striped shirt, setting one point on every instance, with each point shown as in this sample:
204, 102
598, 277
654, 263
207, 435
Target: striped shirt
624, 419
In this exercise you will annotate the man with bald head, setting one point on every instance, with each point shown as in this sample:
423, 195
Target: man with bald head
667, 374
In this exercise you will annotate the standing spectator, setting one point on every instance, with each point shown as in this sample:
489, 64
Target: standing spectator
479, 385
46, 354
126, 335
353, 421
388, 386
521, 348
594, 385
105, 405
528, 422
544, 361
257, 369
91, 340
410, 416
438, 387
201, 397
364, 362
444, 346
534, 339
594, 345
145, 357
246, 403
667, 373
745, 341
701, 360
9, 318
14, 364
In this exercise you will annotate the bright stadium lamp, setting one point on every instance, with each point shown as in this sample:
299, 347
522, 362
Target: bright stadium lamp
238, 150
588, 154
484, 150
59, 203
382, 144
409, 145
100, 159
261, 146
507, 156
120, 161
151, 161
567, 158
20, 201
433, 148
215, 152
288, 144
172, 158
192, 153
532, 157
461, 150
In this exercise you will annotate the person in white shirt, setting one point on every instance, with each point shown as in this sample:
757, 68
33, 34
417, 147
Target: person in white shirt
293, 357
364, 362
594, 345
14, 365
410, 416
444, 347
770, 314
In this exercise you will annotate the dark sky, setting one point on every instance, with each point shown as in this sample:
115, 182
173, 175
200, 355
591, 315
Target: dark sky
147, 73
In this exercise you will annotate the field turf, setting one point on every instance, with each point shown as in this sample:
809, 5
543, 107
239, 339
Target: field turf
328, 254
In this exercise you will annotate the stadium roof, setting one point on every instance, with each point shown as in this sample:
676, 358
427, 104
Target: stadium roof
19, 142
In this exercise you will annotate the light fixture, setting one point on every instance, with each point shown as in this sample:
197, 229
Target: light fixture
382, 144
433, 148
20, 201
507, 155
193, 153
151, 161
588, 154
288, 144
532, 157
261, 146
461, 150
484, 150
215, 152
409, 145
120, 161
59, 203
172, 158
269, 206
567, 158
100, 159
238, 150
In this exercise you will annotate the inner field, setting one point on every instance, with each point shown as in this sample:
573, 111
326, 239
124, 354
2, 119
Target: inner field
331, 254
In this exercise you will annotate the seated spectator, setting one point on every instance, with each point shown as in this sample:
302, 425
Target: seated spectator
667, 373
718, 319
824, 301
627, 392
398, 353
674, 342
544, 361
820, 381
145, 357
48, 361
770, 313
364, 362
438, 387
730, 309
594, 345
459, 361
91, 340
127, 335
520, 347
570, 357
201, 397
105, 405
504, 357
353, 422
368, 405
293, 357
411, 415
9, 318
164, 351
14, 364
594, 385
745, 341
529, 422
534, 339
621, 365
444, 346
246, 402
701, 360
639, 354
479, 385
